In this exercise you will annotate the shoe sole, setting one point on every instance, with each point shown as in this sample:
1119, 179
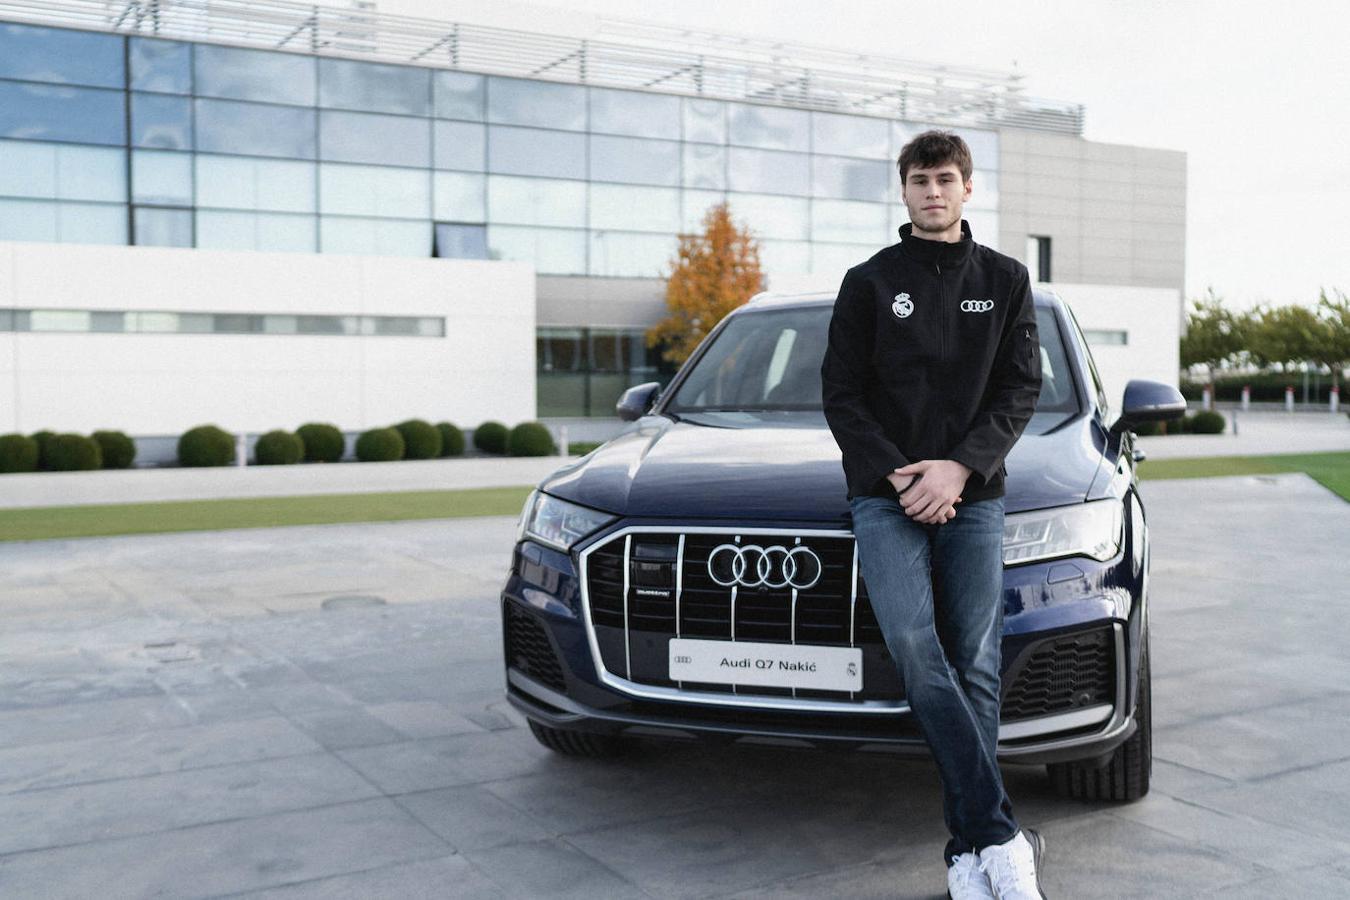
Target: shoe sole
1037, 851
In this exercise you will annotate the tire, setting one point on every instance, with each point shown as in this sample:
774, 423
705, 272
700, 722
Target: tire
1126, 776
577, 743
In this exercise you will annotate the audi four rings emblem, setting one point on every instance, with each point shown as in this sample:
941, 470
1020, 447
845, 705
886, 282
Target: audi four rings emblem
976, 305
772, 567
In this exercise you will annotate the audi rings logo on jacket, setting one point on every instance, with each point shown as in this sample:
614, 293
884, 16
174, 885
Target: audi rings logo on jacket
976, 305
773, 567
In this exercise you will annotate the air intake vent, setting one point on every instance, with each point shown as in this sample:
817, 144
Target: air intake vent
528, 648
1062, 674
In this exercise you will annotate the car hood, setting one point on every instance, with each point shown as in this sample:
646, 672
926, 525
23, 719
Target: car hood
663, 469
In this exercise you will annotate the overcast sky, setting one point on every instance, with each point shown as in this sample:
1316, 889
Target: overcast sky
1256, 93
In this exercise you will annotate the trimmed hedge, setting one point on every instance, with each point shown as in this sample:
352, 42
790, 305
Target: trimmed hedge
490, 437
18, 453
279, 448
379, 445
1208, 421
73, 453
421, 440
530, 439
452, 439
1148, 428
119, 451
42, 437
206, 445
322, 442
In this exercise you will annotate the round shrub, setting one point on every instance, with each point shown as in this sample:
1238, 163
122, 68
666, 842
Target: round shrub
279, 448
1208, 421
323, 442
119, 451
530, 439
73, 453
1148, 428
206, 445
421, 440
42, 437
18, 453
490, 437
379, 445
452, 439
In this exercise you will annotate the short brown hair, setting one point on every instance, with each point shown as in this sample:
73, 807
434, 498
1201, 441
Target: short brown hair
934, 148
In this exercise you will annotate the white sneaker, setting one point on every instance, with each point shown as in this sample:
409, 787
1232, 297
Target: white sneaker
965, 880
1014, 867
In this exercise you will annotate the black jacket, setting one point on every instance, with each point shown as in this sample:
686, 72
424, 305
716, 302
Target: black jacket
933, 354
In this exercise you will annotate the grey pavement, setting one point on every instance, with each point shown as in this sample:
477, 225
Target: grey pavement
318, 712
1258, 434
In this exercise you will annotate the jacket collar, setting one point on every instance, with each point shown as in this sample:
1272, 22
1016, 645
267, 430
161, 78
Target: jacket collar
944, 253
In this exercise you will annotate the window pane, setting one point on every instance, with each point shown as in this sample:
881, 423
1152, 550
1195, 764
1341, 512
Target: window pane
275, 324
58, 320
27, 220
57, 55
622, 255
236, 323
254, 75
347, 84
768, 171
91, 173
785, 257
91, 223
559, 350
461, 241
242, 183
536, 201
984, 194
553, 251
705, 166
694, 206
459, 197
772, 217
849, 222
461, 145
983, 147
850, 179
161, 177
383, 237
850, 136
107, 322
367, 137
529, 151
164, 66
543, 104
983, 226
839, 257
293, 233
635, 160
160, 121
459, 95
902, 133
326, 324
27, 169
624, 208
705, 120
375, 191
163, 227
224, 126
55, 113
634, 113
769, 127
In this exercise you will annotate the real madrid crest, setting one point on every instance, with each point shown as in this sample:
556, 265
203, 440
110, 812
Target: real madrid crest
902, 306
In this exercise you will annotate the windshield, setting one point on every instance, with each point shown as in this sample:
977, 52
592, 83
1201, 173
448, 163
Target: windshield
769, 361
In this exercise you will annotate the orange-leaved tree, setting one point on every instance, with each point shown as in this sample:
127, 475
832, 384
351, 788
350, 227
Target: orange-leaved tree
712, 274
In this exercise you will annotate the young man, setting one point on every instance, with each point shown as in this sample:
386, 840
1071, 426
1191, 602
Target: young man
932, 372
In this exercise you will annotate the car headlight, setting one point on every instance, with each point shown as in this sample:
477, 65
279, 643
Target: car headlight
557, 523
1093, 529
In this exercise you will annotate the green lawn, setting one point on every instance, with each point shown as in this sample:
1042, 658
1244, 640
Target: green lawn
1332, 470
38, 523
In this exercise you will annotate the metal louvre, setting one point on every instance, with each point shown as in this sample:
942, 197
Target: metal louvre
625, 55
1061, 674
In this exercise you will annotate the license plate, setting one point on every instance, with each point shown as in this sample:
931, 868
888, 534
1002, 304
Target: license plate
752, 663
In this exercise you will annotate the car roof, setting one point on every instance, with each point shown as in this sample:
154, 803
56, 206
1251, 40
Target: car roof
764, 299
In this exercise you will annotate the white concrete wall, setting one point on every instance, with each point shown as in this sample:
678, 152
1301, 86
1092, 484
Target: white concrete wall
165, 383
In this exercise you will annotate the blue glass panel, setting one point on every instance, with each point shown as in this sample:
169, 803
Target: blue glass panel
536, 201
162, 227
383, 237
62, 171
850, 179
161, 122
770, 127
635, 160
705, 166
460, 95
543, 104
554, 251
164, 66
56, 113
60, 56
705, 120
461, 241
768, 171
237, 182
161, 177
224, 126
618, 254
373, 138
461, 145
635, 113
375, 87
256, 231
850, 135
459, 196
531, 151
254, 75
621, 207
374, 191
846, 221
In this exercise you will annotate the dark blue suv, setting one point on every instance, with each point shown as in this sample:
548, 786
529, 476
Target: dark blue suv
696, 577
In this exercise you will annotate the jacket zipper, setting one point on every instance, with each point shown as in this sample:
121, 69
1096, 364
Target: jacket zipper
942, 316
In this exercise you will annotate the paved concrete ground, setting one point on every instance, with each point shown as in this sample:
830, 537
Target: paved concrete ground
1258, 433
318, 712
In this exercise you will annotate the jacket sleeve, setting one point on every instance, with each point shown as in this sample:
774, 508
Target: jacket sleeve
869, 455
1014, 387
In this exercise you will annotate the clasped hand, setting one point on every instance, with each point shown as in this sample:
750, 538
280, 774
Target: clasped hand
933, 498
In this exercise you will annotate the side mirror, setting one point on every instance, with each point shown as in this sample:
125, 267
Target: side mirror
1149, 401
636, 401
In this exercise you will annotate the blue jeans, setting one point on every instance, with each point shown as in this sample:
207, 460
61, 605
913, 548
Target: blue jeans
947, 651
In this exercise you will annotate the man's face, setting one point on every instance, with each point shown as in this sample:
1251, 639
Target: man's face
934, 198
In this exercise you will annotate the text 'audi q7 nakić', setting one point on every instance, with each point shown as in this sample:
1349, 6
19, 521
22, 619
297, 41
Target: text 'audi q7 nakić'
696, 577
